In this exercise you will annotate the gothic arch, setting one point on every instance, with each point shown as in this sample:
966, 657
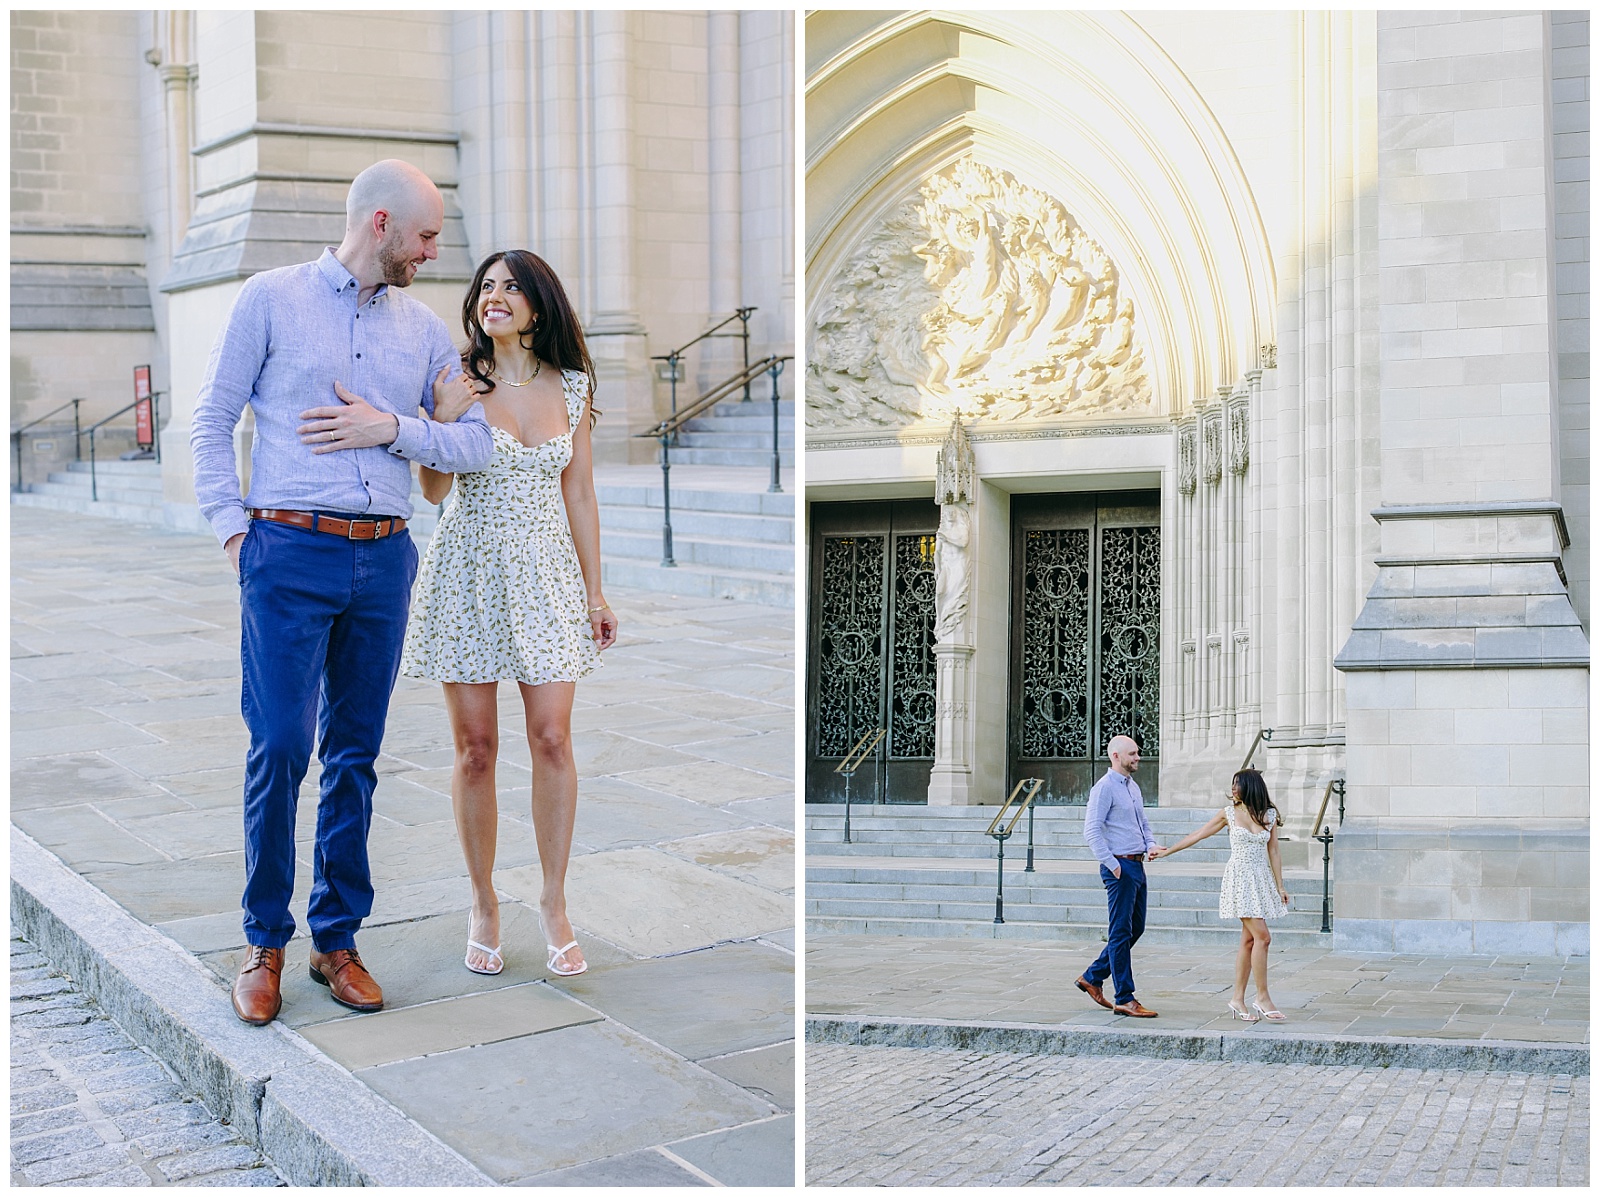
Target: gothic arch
1084, 106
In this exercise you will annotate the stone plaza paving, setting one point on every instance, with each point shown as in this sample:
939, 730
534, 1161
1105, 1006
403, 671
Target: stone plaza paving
671, 1061
1337, 996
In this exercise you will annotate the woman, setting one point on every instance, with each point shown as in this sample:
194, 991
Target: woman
1252, 885
510, 586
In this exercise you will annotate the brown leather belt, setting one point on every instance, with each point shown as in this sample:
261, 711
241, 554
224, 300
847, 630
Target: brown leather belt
1139, 857
373, 529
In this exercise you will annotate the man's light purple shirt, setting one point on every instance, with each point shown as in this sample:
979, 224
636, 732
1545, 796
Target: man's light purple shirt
1114, 823
292, 333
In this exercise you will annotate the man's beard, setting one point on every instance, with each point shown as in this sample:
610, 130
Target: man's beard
395, 265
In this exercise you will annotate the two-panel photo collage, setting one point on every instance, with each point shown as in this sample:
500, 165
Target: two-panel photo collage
778, 598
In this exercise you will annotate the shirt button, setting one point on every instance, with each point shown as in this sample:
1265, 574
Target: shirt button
358, 355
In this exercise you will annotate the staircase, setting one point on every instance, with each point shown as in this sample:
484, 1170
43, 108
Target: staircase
129, 490
736, 433
930, 871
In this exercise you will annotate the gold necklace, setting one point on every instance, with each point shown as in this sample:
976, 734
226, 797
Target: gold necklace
537, 365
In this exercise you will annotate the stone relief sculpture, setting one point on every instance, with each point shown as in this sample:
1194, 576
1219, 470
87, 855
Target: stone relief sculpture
980, 298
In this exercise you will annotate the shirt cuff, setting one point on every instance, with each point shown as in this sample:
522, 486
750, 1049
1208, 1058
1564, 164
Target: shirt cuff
228, 523
410, 437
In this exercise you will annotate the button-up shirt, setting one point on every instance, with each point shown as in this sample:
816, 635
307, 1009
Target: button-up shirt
291, 334
1114, 824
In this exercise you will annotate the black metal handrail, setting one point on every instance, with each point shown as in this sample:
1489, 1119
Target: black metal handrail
1002, 834
1264, 734
155, 436
674, 356
859, 752
666, 432
77, 434
1325, 838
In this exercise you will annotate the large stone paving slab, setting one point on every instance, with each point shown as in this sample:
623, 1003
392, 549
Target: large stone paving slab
759, 855
768, 1072
709, 1003
562, 1098
757, 1155
653, 904
404, 1034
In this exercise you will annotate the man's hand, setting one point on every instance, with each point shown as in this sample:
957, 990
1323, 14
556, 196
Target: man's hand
232, 549
356, 425
1116, 871
1158, 852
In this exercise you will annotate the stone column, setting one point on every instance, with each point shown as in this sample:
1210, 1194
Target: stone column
1467, 670
955, 736
616, 334
720, 357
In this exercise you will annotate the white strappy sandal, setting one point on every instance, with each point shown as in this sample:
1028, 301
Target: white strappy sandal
557, 953
493, 953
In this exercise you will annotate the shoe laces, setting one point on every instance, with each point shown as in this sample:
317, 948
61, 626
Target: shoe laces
258, 958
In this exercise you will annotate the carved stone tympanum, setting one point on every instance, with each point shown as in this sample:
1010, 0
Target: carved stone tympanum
980, 297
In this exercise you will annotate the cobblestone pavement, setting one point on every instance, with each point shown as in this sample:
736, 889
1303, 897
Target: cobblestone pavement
903, 1116
88, 1107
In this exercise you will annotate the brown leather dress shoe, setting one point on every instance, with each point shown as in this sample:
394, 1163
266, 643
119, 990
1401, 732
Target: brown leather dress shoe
1093, 990
256, 998
347, 979
1133, 1009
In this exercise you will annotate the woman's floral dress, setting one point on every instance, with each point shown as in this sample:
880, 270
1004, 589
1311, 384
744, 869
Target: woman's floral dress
500, 596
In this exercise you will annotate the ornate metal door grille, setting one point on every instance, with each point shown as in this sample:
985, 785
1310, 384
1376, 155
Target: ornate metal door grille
849, 692
872, 664
1086, 618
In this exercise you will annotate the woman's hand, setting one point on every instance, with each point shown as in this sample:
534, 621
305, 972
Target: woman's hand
452, 397
602, 625
1284, 894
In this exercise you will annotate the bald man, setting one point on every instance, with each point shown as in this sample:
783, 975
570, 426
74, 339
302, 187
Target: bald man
335, 363
1115, 829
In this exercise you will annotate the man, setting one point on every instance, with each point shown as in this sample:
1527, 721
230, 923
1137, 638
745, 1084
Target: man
334, 361
1114, 827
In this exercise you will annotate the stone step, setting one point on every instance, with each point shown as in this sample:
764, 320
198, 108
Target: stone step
1083, 912
696, 581
983, 848
134, 513
1048, 931
112, 489
753, 441
730, 525
756, 424
753, 458
1037, 888
714, 551
690, 498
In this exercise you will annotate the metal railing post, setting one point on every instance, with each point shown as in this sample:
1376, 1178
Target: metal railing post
1029, 869
155, 422
16, 439
744, 333
77, 433
94, 480
864, 747
777, 487
1000, 839
666, 502
1327, 892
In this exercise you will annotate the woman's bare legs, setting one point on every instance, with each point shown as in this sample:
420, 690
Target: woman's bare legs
555, 802
474, 721
1261, 937
1241, 965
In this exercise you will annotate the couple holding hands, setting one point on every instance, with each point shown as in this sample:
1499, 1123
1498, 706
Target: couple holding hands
1115, 829
335, 362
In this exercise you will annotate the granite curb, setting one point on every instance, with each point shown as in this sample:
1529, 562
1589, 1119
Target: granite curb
316, 1123
1256, 1048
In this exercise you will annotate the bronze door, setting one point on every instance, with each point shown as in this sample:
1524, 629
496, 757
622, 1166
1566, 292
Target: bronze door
1085, 638
870, 617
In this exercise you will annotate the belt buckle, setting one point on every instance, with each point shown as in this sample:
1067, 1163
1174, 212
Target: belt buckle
350, 532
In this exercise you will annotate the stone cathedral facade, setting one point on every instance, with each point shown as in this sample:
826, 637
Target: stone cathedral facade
1193, 374
159, 158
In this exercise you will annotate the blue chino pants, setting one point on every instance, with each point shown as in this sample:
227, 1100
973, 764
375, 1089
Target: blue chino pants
1125, 903
323, 620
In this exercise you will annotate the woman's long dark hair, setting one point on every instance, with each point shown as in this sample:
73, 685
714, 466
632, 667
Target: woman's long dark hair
1253, 794
555, 335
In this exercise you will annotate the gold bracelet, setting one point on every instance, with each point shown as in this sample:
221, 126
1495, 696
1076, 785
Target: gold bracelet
601, 607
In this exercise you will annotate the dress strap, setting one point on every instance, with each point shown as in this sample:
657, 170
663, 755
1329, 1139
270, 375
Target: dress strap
575, 386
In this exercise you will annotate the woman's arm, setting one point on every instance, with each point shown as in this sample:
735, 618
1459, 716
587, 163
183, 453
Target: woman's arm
1275, 858
451, 399
583, 515
1218, 821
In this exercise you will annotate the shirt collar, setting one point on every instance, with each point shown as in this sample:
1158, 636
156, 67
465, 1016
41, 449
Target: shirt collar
338, 277
1119, 777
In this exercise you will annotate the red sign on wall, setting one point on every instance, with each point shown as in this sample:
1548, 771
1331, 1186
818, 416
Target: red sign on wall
143, 416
